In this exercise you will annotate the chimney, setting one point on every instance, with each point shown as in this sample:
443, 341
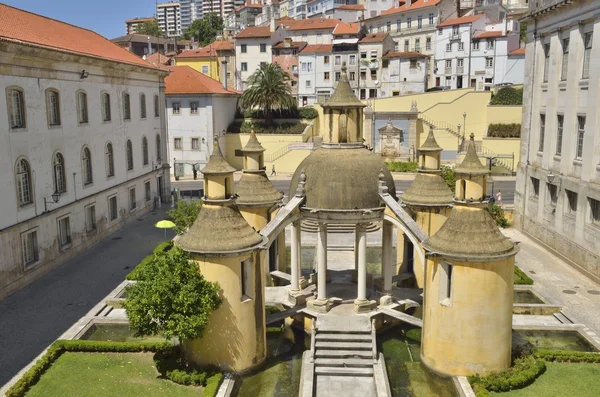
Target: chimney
224, 74
287, 42
504, 26
272, 25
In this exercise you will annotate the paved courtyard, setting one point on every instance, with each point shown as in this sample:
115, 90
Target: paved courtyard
34, 317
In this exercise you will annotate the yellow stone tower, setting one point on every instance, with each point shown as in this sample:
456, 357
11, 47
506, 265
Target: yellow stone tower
226, 249
428, 198
468, 292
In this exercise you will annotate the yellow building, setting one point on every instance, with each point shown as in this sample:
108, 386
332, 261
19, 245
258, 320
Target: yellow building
468, 289
208, 60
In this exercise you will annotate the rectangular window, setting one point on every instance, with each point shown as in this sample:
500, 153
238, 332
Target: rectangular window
64, 232
398, 25
147, 191
580, 136
572, 201
372, 93
307, 83
587, 53
490, 44
352, 76
105, 107
388, 26
338, 60
419, 22
461, 46
29, 243
244, 67
406, 45
440, 31
244, 48
408, 22
82, 107
546, 61
449, 47
535, 186
565, 59
205, 69
263, 64
132, 202
326, 59
194, 107
326, 76
413, 64
455, 30
363, 55
156, 107
16, 109
428, 44
352, 59
373, 54
431, 18
176, 107
90, 218
52, 108
263, 47
542, 132
337, 76
126, 107
489, 62
552, 194
363, 76
113, 210
560, 120
142, 106
195, 144
246, 279
177, 143
445, 288
594, 211
417, 45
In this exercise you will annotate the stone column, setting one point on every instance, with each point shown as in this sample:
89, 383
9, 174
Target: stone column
295, 260
356, 251
362, 263
322, 262
386, 256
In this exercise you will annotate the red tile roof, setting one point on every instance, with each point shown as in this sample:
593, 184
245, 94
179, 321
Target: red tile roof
254, 31
310, 24
314, 48
460, 21
158, 59
285, 18
294, 44
185, 80
416, 4
409, 54
374, 38
352, 7
490, 34
208, 51
520, 51
26, 28
140, 20
346, 28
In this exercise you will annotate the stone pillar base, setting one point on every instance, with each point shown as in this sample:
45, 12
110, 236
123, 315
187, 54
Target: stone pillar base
297, 297
302, 283
318, 305
364, 306
386, 300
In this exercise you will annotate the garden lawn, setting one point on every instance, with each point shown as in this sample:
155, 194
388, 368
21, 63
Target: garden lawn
562, 379
107, 374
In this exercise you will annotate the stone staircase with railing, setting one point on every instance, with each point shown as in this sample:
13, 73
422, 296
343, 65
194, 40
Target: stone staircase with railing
501, 160
440, 125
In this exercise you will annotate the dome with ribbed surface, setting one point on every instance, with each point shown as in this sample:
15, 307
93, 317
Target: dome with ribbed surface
255, 189
429, 190
343, 177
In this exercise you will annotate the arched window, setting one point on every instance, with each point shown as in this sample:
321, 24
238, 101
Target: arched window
16, 108
105, 106
145, 150
158, 157
156, 107
86, 165
126, 107
53, 107
82, 109
143, 106
129, 153
110, 160
58, 166
24, 191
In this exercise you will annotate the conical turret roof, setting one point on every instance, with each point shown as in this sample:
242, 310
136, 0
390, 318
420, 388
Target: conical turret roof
217, 163
430, 144
253, 145
471, 164
343, 96
428, 190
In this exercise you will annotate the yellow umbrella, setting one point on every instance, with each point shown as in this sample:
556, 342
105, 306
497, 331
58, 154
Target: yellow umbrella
164, 224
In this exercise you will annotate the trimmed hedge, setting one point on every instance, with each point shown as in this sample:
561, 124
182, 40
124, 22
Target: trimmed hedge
508, 96
400, 166
212, 385
307, 112
523, 373
504, 130
163, 247
261, 128
160, 249
521, 278
172, 366
568, 356
33, 375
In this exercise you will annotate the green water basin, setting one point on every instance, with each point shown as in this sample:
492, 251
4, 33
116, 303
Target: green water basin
526, 296
551, 340
116, 333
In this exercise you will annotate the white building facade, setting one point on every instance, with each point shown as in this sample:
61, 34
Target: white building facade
169, 18
253, 47
83, 148
404, 73
558, 179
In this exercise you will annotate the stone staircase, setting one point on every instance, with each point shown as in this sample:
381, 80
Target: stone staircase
344, 353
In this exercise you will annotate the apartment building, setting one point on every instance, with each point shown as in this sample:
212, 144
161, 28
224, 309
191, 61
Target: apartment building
223, 8
169, 18
253, 46
285, 54
132, 24
404, 73
83, 149
325, 8
189, 11
198, 107
372, 48
211, 59
557, 198
141, 44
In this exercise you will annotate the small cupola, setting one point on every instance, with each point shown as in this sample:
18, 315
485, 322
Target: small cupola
253, 154
471, 176
218, 176
430, 154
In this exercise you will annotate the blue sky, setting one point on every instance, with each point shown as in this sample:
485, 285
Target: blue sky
106, 17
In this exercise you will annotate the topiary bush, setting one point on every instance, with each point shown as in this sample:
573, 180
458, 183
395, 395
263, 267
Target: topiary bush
504, 130
523, 373
568, 356
508, 96
174, 367
401, 166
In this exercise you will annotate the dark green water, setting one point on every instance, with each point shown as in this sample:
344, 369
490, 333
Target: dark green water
525, 296
116, 333
551, 340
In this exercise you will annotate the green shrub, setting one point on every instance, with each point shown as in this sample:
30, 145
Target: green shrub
163, 247
262, 128
212, 385
414, 334
524, 372
521, 278
308, 113
401, 166
568, 356
173, 366
298, 113
497, 214
137, 271
504, 130
449, 177
184, 214
508, 96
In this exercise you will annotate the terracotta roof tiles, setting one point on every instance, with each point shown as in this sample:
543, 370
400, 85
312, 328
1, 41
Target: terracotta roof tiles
208, 51
314, 48
185, 80
490, 34
416, 4
346, 28
351, 7
460, 21
254, 32
408, 54
374, 38
520, 51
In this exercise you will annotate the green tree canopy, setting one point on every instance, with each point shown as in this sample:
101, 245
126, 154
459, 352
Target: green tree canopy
171, 298
185, 214
205, 30
269, 90
150, 28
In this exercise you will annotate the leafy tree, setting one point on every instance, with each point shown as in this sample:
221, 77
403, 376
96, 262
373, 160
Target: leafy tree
150, 28
523, 32
449, 177
269, 90
205, 30
171, 298
508, 96
497, 214
185, 214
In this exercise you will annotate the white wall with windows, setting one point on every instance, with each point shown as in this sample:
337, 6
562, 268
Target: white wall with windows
403, 75
63, 151
250, 53
193, 121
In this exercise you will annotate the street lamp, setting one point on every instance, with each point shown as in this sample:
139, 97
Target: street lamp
464, 124
55, 198
458, 127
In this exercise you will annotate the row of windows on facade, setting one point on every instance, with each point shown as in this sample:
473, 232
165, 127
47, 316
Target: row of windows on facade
571, 200
560, 121
29, 239
408, 23
475, 44
17, 115
460, 64
23, 172
565, 45
194, 143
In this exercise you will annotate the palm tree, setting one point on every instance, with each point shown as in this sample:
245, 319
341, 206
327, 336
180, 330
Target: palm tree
269, 90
